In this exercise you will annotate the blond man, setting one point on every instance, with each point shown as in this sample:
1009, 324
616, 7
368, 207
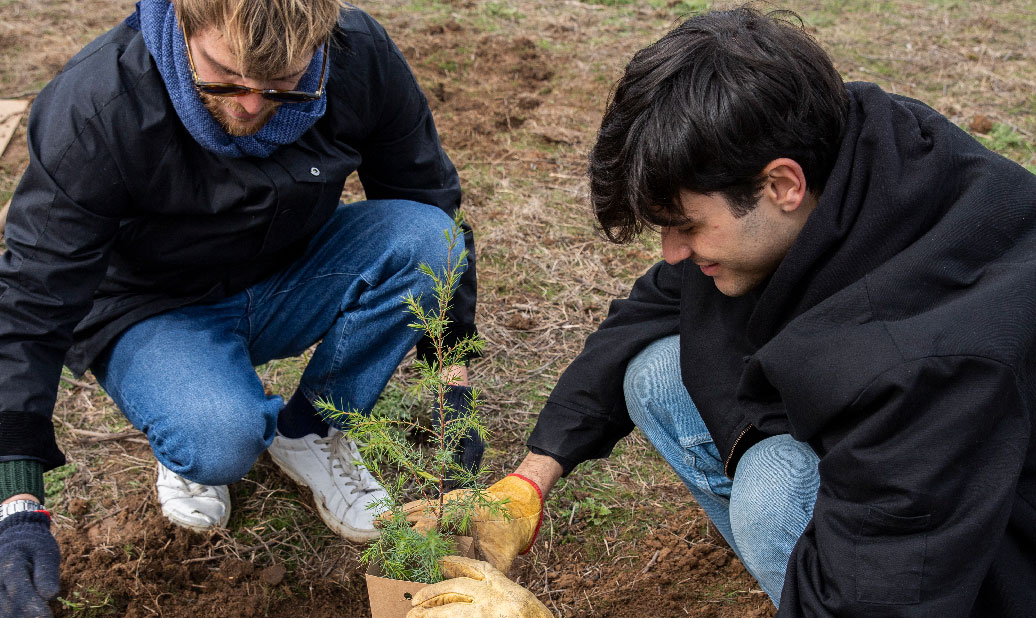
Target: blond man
180, 223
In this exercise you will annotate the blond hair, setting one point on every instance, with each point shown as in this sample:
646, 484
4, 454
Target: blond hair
266, 36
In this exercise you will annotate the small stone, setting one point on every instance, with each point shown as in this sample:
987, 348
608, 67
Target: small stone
78, 507
236, 571
981, 124
273, 575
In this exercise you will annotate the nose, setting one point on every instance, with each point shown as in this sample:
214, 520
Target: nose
253, 103
675, 247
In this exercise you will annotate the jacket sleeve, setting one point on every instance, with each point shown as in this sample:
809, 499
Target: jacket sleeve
403, 159
586, 414
58, 234
915, 494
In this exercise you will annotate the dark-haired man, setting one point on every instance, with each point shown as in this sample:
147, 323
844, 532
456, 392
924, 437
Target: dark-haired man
180, 222
837, 354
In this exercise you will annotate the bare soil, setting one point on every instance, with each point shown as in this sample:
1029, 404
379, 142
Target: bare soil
517, 90
142, 563
145, 566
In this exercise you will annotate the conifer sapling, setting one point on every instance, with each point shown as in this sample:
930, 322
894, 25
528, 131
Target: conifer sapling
416, 458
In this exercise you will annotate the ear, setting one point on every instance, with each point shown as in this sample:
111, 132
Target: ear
784, 184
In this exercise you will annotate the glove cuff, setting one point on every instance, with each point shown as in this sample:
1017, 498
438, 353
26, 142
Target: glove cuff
458, 397
33, 519
539, 521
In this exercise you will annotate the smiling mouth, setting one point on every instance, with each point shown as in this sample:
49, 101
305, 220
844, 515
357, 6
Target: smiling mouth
709, 269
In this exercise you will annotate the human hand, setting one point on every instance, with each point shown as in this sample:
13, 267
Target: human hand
502, 535
29, 563
477, 591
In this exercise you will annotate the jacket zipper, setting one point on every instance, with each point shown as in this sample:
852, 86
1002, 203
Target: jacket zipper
733, 449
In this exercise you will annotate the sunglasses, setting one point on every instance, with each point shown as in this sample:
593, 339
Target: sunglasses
221, 89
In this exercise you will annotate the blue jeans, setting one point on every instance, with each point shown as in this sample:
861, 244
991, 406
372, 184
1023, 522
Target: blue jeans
764, 510
186, 377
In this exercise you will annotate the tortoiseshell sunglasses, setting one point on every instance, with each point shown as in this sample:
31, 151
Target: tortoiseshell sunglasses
221, 89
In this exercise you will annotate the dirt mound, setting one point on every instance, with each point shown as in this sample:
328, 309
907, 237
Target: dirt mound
480, 85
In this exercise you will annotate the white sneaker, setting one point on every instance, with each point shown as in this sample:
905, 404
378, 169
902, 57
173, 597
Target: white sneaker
341, 489
192, 505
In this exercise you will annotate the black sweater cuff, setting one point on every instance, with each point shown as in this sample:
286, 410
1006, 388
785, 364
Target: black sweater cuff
28, 435
567, 465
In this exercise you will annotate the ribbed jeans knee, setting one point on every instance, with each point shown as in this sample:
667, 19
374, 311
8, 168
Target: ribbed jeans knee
771, 502
219, 458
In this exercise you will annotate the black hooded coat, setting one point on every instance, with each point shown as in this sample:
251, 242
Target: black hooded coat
897, 338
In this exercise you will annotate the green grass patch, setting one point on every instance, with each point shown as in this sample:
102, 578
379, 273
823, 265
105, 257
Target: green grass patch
1007, 141
429, 6
54, 481
682, 7
674, 7
89, 604
282, 375
504, 10
492, 16
602, 499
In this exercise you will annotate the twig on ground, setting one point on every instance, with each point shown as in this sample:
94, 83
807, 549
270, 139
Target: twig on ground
93, 437
236, 553
88, 386
651, 562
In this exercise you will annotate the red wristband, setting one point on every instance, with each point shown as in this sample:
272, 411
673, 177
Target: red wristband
539, 523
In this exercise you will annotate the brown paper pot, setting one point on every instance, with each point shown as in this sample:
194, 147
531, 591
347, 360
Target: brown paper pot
390, 598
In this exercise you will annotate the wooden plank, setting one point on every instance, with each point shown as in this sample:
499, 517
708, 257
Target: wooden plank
10, 113
3, 216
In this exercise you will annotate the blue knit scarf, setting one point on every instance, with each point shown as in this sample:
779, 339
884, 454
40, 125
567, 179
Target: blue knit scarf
157, 22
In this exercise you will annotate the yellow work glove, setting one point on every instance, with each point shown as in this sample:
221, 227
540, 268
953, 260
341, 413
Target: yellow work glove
478, 591
501, 536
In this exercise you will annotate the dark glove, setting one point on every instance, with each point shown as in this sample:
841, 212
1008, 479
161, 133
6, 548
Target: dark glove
29, 563
471, 447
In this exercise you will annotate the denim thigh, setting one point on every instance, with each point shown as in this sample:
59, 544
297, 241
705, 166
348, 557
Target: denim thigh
185, 378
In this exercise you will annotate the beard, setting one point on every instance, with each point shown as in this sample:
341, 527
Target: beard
218, 106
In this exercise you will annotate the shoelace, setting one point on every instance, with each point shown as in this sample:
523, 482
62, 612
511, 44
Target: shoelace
195, 490
342, 453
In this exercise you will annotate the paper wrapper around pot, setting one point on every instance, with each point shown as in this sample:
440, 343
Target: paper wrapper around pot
390, 598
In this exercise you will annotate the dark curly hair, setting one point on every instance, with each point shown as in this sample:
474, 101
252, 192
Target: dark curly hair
705, 109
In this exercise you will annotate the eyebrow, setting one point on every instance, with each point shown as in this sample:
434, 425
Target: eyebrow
229, 71
666, 218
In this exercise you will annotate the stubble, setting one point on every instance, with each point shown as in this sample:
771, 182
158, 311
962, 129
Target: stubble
217, 106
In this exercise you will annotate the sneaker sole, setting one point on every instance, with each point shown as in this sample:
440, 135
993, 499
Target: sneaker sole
194, 528
340, 528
